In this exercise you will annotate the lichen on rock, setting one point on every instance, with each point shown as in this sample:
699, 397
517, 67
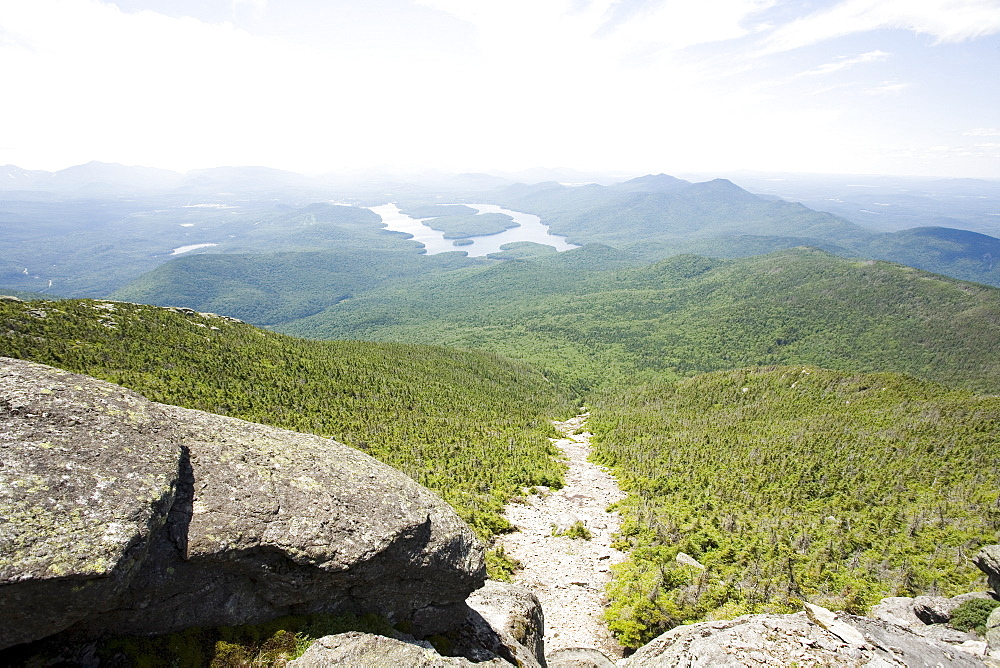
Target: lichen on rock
126, 516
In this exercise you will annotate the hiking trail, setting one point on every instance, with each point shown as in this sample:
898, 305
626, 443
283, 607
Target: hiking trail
568, 575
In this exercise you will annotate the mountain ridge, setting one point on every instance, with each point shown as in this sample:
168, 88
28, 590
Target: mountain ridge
689, 314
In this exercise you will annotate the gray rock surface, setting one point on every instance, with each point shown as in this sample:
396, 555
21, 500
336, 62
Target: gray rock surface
993, 633
927, 617
506, 621
579, 657
896, 610
687, 560
933, 609
363, 650
119, 514
988, 561
89, 473
781, 640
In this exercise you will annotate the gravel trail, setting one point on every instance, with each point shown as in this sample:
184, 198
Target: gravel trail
569, 575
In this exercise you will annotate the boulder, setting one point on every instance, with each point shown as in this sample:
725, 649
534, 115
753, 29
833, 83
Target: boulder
821, 638
363, 649
988, 561
896, 610
938, 609
993, 633
685, 559
927, 616
563, 522
933, 609
120, 515
505, 620
89, 474
579, 657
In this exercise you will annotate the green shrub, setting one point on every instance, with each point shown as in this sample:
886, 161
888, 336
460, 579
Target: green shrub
972, 615
499, 565
576, 530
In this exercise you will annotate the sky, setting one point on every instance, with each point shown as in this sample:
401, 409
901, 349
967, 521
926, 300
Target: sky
907, 87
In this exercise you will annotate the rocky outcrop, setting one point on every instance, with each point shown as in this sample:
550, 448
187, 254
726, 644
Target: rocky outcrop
818, 638
505, 620
363, 649
988, 561
121, 515
927, 616
687, 560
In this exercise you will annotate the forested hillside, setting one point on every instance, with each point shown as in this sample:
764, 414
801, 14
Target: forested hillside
666, 209
472, 426
795, 483
271, 288
90, 248
967, 255
689, 315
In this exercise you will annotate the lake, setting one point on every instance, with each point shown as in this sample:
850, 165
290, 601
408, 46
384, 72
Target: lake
530, 228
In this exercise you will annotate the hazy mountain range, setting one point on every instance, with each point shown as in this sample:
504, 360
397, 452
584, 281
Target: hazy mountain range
92, 229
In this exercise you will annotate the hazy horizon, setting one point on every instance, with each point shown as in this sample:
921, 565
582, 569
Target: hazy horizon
614, 87
533, 174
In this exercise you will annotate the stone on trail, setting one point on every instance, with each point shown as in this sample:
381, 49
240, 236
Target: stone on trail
579, 657
123, 516
563, 522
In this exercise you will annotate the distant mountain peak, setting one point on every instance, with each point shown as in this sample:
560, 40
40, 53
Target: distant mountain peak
721, 187
654, 183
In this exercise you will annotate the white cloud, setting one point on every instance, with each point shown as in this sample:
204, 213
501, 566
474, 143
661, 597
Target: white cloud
659, 26
673, 26
888, 88
844, 62
983, 132
945, 20
514, 84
